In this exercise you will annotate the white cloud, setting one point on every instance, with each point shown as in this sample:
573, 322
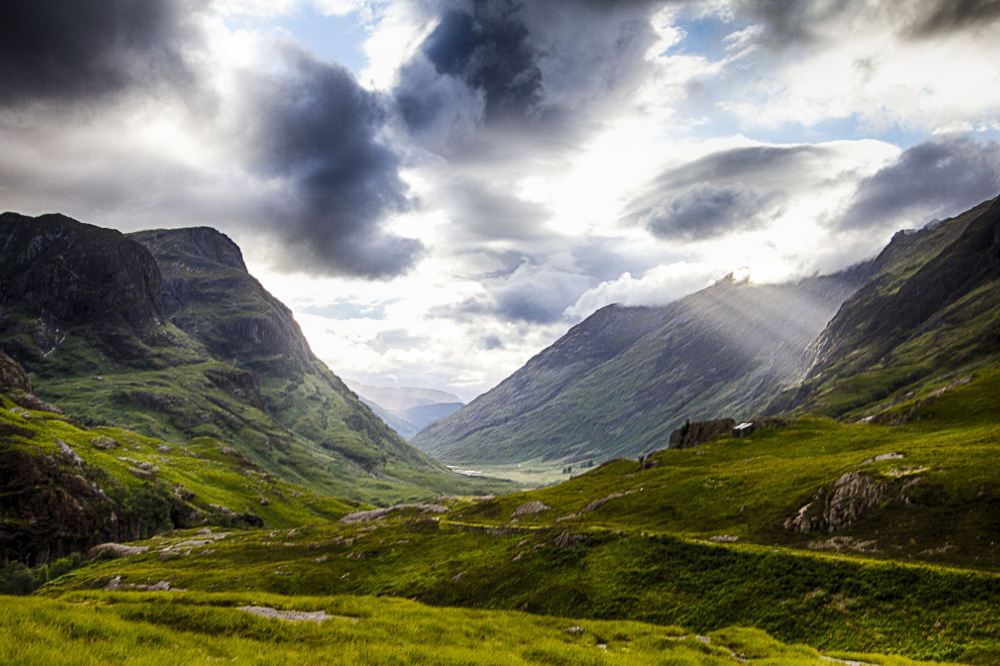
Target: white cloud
881, 75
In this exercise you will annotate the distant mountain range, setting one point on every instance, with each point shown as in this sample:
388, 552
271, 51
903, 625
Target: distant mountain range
621, 381
407, 410
167, 334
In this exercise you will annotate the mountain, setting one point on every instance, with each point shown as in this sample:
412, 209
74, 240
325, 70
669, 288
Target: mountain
166, 334
930, 312
869, 539
620, 381
922, 313
406, 409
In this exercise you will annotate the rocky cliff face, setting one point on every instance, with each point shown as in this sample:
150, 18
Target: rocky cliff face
59, 277
75, 272
696, 433
49, 509
208, 293
12, 375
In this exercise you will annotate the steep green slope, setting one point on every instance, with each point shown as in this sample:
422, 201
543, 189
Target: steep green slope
67, 488
931, 309
619, 382
209, 294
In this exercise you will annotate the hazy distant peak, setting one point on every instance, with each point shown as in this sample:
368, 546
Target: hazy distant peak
401, 397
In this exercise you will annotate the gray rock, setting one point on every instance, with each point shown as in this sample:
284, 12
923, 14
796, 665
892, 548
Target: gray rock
529, 509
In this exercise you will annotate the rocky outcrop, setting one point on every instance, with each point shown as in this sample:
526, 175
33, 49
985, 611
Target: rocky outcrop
12, 375
14, 382
48, 511
529, 509
696, 433
378, 514
838, 505
240, 384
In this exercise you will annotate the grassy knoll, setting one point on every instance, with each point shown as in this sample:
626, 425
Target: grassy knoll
185, 628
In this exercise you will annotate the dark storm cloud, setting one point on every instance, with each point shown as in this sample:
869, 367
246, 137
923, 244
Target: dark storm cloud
317, 130
535, 74
486, 47
932, 179
84, 50
936, 17
489, 50
705, 211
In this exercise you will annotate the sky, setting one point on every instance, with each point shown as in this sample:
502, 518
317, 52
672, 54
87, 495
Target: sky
439, 189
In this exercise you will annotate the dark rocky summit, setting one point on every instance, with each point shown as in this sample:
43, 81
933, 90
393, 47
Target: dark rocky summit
60, 277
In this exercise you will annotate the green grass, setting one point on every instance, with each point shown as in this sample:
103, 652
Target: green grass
145, 477
929, 589
194, 408
185, 628
827, 601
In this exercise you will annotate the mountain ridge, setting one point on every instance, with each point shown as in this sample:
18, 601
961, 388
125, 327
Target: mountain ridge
620, 381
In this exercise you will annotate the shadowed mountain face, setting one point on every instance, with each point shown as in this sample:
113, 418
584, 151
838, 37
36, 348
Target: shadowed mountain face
165, 333
619, 382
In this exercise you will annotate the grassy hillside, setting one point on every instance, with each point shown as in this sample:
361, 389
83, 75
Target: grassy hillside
67, 487
825, 601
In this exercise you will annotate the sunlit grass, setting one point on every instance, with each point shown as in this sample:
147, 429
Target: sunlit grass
185, 628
